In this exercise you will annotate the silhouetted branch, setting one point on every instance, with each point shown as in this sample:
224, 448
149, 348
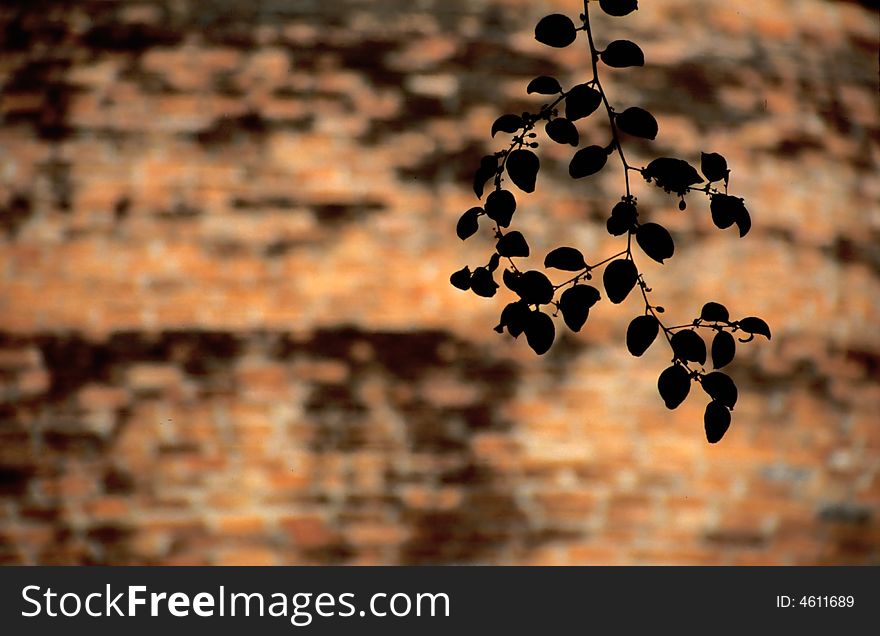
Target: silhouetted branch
574, 298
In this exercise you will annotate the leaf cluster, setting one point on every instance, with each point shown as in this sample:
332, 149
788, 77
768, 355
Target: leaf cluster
515, 169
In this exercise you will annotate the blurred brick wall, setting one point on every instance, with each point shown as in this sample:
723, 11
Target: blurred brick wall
227, 334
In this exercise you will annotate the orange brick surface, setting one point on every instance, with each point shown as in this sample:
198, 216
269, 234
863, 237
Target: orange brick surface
227, 334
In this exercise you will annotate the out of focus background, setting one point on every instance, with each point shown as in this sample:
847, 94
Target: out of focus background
227, 334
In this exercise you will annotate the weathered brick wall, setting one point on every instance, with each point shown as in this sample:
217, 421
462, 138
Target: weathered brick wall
227, 333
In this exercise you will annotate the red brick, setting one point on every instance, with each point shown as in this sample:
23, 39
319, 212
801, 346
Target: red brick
241, 525
153, 377
308, 531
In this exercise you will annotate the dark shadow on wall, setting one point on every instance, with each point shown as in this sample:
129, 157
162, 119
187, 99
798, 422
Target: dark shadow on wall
49, 433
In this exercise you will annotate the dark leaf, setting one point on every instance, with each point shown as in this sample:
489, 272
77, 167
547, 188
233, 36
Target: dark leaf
720, 387
673, 175
714, 312
619, 278
500, 206
540, 331
510, 278
716, 421
575, 303
655, 240
512, 244
688, 346
618, 8
574, 315
641, 333
514, 317
461, 279
586, 294
616, 226
713, 166
544, 85
723, 208
626, 210
555, 30
482, 283
637, 122
534, 288
508, 124
743, 221
522, 166
623, 53
486, 171
755, 325
480, 178
562, 131
565, 258
494, 262
623, 218
674, 384
727, 210
723, 349
581, 101
587, 161
467, 225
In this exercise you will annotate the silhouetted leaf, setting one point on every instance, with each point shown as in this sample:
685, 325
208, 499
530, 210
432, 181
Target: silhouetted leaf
623, 53
619, 278
534, 288
510, 278
713, 166
581, 101
714, 312
723, 208
720, 387
575, 316
618, 8
565, 258
587, 161
486, 171
540, 331
508, 124
727, 210
655, 240
673, 175
637, 122
461, 279
586, 294
500, 206
641, 333
544, 85
555, 30
494, 262
723, 349
468, 225
622, 219
512, 244
674, 384
716, 421
562, 131
523, 166
688, 346
575, 303
482, 283
743, 221
514, 317
616, 226
755, 325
